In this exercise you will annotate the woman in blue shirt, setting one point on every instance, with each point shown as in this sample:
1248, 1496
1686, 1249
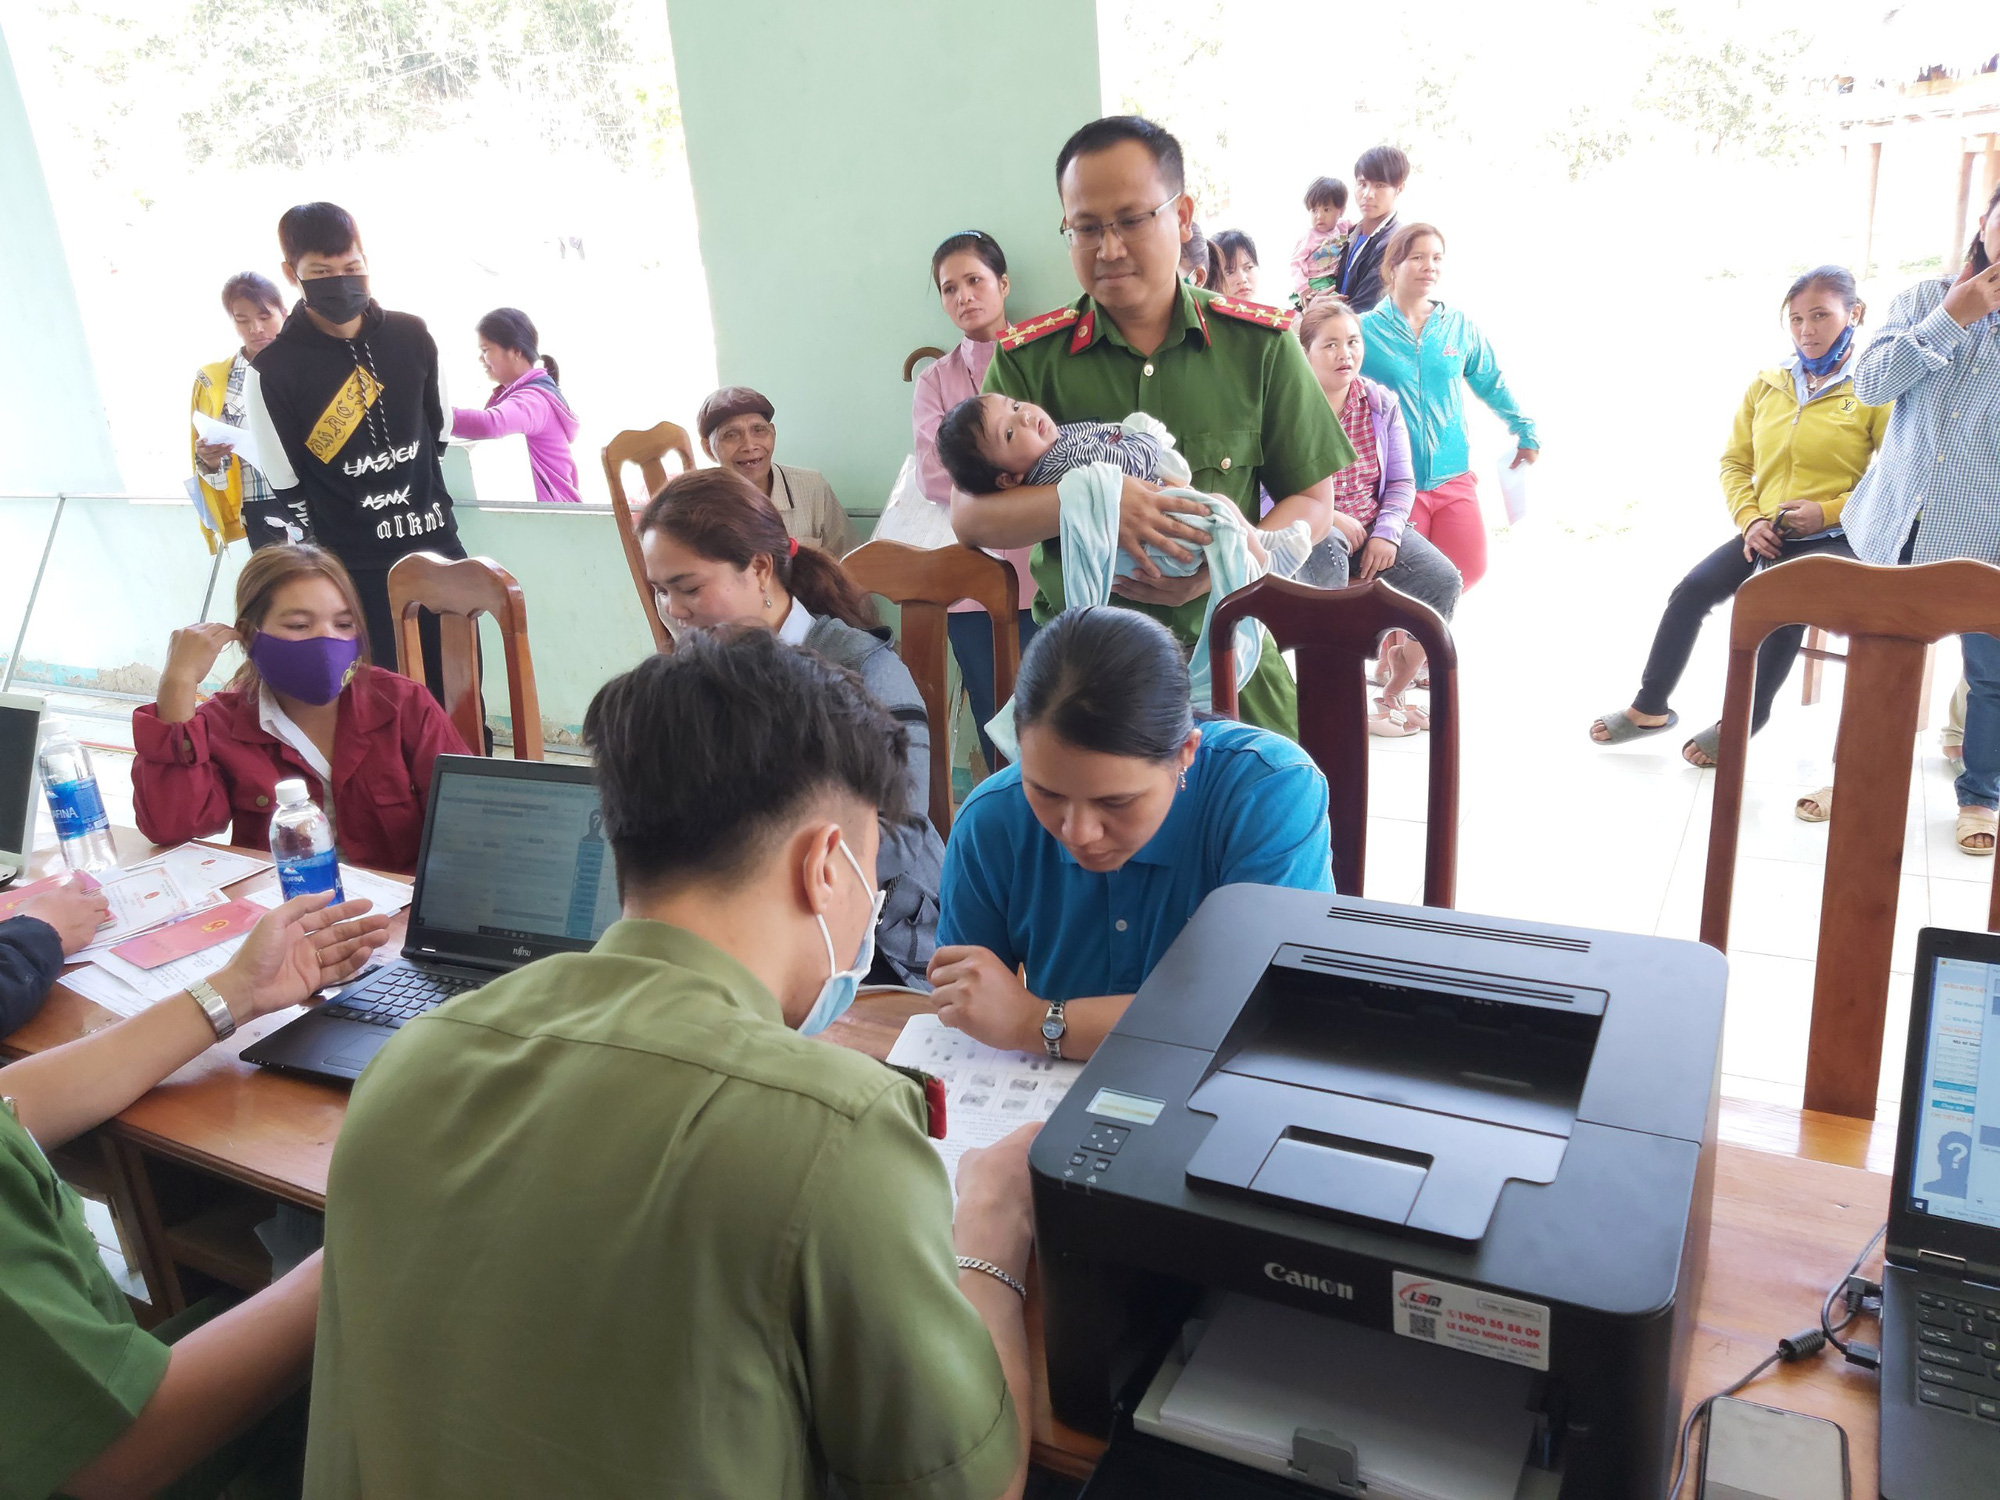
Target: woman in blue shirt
1424, 350
1082, 861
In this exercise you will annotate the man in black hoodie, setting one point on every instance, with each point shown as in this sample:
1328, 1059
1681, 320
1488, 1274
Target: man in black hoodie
346, 411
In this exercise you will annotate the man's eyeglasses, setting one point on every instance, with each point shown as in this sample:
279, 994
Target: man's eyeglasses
1090, 236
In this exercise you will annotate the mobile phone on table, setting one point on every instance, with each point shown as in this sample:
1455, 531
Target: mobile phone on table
1756, 1452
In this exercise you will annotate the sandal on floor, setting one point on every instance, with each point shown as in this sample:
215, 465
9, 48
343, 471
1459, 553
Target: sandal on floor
1815, 807
1621, 726
1972, 822
1419, 720
1709, 743
1391, 720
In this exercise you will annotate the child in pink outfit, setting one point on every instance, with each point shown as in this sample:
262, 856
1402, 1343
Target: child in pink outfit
1316, 259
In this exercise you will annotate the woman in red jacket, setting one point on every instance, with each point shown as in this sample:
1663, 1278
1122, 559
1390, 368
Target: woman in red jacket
306, 704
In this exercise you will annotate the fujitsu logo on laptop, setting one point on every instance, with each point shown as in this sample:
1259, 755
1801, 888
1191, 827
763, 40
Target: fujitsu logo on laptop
522, 950
1309, 1282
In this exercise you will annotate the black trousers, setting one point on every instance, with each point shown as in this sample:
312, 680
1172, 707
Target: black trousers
372, 584
1712, 581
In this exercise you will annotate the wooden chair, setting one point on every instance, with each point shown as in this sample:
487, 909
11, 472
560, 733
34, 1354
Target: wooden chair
461, 592
1817, 653
917, 356
1890, 617
1333, 633
924, 584
648, 449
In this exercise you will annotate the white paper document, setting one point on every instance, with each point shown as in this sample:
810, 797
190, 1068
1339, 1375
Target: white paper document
388, 895
197, 867
142, 899
237, 440
989, 1094
107, 990
1426, 1424
169, 978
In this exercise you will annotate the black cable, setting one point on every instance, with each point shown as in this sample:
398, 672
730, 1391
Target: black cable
1799, 1346
1860, 1354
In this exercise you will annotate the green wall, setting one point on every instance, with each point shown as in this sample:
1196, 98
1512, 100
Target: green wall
831, 148
53, 431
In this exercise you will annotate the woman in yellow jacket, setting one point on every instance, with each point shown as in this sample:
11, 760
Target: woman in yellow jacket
239, 497
1801, 443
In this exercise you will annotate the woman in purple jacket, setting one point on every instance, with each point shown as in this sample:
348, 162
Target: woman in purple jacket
1371, 535
525, 399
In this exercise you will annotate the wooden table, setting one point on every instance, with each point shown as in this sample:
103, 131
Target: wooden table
1796, 1197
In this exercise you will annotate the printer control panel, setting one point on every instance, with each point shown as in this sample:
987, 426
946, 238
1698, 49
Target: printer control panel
1093, 1156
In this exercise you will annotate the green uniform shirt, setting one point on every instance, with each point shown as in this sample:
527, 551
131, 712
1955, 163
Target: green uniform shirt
1243, 406
74, 1367
607, 1227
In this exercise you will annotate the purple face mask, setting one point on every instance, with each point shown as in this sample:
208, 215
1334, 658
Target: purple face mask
313, 670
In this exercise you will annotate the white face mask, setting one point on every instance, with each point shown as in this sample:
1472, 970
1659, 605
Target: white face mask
842, 984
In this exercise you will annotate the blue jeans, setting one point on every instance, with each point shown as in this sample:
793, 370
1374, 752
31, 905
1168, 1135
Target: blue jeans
1979, 783
971, 636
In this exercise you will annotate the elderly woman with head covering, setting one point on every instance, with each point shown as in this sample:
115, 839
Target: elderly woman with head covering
736, 431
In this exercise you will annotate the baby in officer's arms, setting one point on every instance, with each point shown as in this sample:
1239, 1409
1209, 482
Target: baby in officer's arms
993, 442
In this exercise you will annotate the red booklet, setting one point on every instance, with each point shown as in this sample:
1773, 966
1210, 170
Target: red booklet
191, 934
12, 901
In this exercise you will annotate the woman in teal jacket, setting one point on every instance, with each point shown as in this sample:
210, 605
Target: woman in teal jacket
1423, 351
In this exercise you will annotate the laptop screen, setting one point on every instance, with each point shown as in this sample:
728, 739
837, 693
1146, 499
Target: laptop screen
19, 727
516, 857
1955, 1170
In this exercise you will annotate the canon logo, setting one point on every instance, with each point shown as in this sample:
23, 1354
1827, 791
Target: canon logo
1309, 1282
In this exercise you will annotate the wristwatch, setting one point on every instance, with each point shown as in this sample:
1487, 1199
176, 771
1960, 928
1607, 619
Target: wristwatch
1053, 1027
214, 1007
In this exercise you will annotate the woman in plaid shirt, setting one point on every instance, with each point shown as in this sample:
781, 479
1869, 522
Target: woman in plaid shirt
1934, 490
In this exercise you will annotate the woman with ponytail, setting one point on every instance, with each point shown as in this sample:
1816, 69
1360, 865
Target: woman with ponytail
526, 399
717, 554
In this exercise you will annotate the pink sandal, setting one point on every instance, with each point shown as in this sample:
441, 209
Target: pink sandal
1395, 720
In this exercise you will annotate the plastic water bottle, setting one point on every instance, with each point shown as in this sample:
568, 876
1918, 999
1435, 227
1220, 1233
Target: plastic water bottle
81, 826
302, 844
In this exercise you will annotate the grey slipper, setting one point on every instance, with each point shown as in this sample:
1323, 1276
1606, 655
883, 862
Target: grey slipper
1709, 743
1620, 727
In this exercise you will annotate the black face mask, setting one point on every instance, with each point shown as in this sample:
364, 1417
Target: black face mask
338, 299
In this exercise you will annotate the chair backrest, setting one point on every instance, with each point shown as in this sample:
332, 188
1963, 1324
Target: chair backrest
1332, 633
1890, 616
648, 449
924, 584
460, 592
916, 357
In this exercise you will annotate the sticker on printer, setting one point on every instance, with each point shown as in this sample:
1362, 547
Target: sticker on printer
1472, 1319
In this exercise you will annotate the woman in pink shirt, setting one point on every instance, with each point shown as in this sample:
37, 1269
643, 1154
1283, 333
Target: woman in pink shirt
526, 399
969, 271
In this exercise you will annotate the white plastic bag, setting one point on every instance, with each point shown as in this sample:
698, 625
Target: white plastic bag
911, 517
1513, 487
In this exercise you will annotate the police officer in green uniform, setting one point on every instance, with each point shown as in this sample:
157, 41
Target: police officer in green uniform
1225, 376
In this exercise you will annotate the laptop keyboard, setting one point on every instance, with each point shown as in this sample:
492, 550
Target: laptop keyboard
407, 993
1958, 1352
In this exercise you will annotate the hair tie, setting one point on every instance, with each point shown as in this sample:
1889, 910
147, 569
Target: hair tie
791, 546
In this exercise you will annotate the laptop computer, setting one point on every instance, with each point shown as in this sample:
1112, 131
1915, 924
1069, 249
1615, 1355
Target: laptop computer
513, 867
20, 734
1941, 1283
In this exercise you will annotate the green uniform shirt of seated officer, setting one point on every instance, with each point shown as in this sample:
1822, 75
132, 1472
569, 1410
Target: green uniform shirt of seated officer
613, 1226
1232, 386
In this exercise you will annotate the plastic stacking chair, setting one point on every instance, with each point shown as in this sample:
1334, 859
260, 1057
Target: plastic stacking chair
460, 592
648, 449
923, 585
1332, 633
1891, 617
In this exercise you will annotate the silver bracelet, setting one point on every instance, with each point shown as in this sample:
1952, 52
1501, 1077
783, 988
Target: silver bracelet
973, 1263
214, 1007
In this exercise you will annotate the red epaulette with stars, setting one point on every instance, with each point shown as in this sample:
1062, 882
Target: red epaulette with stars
1014, 335
1254, 312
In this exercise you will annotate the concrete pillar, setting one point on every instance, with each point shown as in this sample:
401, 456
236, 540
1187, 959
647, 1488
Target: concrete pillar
831, 147
53, 431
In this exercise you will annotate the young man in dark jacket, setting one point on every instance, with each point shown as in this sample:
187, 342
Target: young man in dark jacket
347, 412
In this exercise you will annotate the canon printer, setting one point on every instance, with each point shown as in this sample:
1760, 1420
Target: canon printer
1385, 1201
